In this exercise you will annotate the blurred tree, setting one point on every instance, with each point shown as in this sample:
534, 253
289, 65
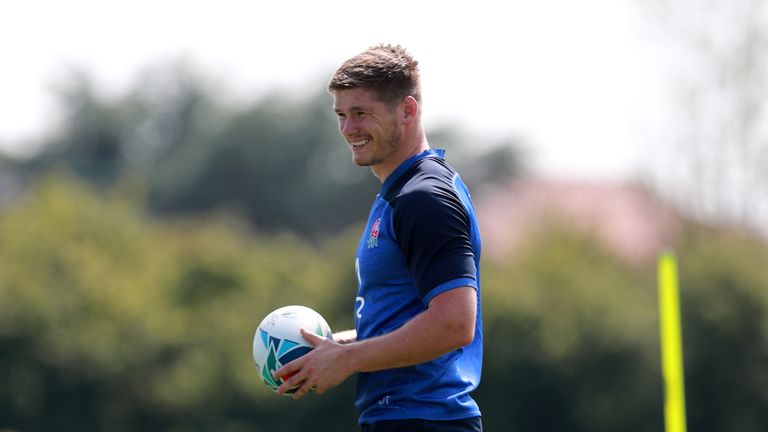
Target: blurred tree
716, 58
10, 183
112, 321
725, 325
280, 161
570, 341
90, 141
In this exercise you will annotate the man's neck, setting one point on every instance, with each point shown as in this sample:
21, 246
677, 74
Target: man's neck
418, 145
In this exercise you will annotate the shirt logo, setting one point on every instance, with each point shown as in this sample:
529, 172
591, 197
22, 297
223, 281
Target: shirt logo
373, 240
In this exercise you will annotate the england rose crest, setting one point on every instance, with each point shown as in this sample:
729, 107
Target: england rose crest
373, 240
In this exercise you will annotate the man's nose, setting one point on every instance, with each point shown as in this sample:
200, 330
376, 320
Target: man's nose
348, 127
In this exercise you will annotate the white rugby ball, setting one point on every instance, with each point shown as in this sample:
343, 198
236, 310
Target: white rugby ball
278, 341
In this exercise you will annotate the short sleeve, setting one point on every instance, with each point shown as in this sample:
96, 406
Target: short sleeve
432, 229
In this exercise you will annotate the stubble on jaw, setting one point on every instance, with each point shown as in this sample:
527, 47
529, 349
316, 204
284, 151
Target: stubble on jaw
390, 143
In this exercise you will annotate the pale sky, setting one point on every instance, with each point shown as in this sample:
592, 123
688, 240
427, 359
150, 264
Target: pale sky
575, 80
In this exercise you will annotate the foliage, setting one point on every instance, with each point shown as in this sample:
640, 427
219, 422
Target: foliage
570, 340
278, 162
110, 320
725, 310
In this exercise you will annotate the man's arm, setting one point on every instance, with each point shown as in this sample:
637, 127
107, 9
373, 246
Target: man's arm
447, 324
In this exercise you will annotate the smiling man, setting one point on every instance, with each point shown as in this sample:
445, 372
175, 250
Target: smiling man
417, 342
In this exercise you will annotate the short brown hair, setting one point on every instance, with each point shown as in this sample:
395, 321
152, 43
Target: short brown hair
388, 70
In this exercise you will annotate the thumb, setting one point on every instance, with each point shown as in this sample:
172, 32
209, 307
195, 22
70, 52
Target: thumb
312, 338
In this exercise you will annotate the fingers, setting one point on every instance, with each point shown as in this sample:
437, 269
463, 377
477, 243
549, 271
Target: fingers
298, 380
290, 381
294, 374
288, 370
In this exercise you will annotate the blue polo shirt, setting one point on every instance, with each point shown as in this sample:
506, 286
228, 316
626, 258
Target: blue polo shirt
421, 240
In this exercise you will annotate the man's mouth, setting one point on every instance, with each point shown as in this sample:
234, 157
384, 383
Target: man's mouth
359, 143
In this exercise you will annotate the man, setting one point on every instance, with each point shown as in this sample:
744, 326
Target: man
417, 343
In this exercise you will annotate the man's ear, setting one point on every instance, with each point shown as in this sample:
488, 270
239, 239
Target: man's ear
410, 108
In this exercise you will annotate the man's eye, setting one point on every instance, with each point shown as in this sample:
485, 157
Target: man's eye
361, 114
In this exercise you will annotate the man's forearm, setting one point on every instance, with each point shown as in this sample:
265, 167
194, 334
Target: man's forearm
445, 326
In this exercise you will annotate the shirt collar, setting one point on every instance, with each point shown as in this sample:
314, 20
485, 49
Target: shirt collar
436, 152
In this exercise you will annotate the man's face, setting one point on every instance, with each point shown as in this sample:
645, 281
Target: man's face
370, 127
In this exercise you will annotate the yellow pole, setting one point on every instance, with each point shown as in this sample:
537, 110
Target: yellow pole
671, 344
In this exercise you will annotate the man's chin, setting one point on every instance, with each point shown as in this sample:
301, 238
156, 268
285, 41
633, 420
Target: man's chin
362, 162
